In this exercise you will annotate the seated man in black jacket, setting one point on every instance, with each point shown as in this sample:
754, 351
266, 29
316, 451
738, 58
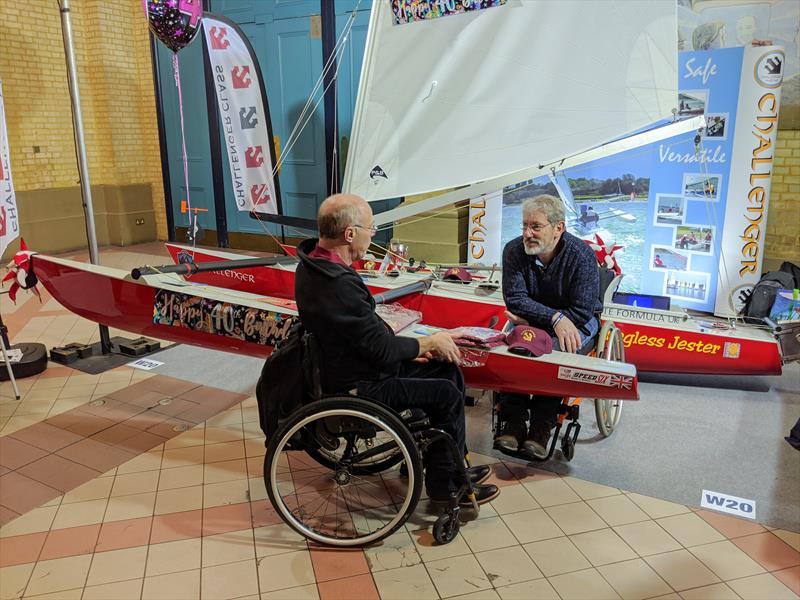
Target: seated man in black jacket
359, 351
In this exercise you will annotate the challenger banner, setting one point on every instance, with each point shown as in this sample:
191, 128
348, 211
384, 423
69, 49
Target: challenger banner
9, 220
244, 115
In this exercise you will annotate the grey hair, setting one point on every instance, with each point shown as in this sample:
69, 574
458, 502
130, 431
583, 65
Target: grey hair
552, 207
333, 222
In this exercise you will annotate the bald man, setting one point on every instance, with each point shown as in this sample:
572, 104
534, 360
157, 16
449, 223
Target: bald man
359, 351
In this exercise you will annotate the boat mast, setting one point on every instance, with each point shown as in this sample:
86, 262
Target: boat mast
80, 147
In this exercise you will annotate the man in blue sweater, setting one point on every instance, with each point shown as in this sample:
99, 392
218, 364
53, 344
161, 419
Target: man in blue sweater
551, 281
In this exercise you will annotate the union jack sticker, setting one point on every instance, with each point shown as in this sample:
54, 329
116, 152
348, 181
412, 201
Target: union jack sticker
595, 378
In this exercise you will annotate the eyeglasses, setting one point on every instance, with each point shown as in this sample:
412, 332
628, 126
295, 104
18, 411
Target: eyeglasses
372, 230
535, 227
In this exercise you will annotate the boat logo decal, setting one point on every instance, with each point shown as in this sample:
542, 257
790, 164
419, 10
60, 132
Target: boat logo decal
768, 71
265, 327
732, 350
185, 258
595, 378
377, 172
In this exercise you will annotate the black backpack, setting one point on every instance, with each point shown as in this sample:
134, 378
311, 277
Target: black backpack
282, 387
761, 298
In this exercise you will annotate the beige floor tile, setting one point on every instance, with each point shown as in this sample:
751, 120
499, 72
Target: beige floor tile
281, 571
14, 580
514, 498
618, 510
194, 437
188, 498
790, 537
117, 565
226, 492
429, 551
224, 451
532, 526
257, 487
182, 457
583, 585
657, 508
761, 587
726, 560
133, 506
229, 470
489, 594
397, 550
59, 574
180, 477
172, 557
306, 592
231, 580
507, 566
149, 461
646, 538
120, 590
634, 579
184, 585
588, 490
224, 433
223, 548
457, 575
556, 556
681, 570
540, 589
404, 583
96, 489
34, 521
277, 539
135, 483
577, 517
718, 591
488, 534
74, 594
602, 547
80, 513
551, 491
690, 530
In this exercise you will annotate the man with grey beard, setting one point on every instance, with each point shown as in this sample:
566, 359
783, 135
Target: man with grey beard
550, 281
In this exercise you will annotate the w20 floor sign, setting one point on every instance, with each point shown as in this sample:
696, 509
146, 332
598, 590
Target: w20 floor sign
741, 507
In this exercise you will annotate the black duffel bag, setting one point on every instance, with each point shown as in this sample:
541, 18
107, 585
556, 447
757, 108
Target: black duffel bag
761, 298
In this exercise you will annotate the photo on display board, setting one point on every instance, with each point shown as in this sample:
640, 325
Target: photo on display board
662, 257
670, 210
701, 185
716, 127
689, 286
692, 103
694, 238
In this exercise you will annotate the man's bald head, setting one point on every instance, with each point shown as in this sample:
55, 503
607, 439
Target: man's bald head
340, 211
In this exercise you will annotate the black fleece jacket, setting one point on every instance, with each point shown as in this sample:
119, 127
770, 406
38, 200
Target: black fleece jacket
336, 306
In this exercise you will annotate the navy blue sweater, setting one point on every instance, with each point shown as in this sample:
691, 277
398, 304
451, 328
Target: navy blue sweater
570, 283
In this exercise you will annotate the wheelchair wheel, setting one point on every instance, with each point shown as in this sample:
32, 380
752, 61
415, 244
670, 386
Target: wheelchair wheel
371, 466
610, 347
338, 504
446, 528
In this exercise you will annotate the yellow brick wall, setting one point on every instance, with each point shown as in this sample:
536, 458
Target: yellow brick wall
112, 53
783, 224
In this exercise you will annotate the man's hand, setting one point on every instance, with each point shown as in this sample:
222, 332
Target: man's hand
515, 319
569, 338
439, 345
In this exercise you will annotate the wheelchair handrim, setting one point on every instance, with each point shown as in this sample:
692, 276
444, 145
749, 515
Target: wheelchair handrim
311, 533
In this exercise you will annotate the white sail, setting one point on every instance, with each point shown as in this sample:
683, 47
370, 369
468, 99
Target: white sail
470, 97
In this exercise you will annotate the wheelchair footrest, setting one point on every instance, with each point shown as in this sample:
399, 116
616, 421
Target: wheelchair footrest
415, 419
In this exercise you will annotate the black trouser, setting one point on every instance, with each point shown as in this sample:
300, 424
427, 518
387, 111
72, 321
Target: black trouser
438, 389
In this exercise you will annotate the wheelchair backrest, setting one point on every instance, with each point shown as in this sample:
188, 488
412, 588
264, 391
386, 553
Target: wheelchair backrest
312, 366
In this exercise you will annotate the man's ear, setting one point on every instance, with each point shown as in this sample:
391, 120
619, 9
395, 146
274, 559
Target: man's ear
349, 234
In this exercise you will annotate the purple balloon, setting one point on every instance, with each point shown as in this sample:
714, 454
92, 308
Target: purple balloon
174, 22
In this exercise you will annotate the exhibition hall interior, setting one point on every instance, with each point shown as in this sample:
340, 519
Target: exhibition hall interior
388, 299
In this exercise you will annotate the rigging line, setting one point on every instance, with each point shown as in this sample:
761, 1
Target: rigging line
340, 44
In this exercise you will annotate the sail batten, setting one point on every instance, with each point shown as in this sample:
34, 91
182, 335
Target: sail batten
471, 97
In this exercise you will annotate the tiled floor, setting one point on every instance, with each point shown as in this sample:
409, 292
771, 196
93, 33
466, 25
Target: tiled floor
158, 493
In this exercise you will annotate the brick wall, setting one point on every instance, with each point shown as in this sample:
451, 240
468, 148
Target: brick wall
783, 224
112, 53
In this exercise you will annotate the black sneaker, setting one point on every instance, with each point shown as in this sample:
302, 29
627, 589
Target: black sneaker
536, 442
479, 474
510, 436
483, 494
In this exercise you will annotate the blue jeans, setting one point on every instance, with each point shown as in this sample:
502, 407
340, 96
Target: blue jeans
515, 407
438, 389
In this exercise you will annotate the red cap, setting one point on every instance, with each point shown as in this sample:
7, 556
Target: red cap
529, 341
458, 274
